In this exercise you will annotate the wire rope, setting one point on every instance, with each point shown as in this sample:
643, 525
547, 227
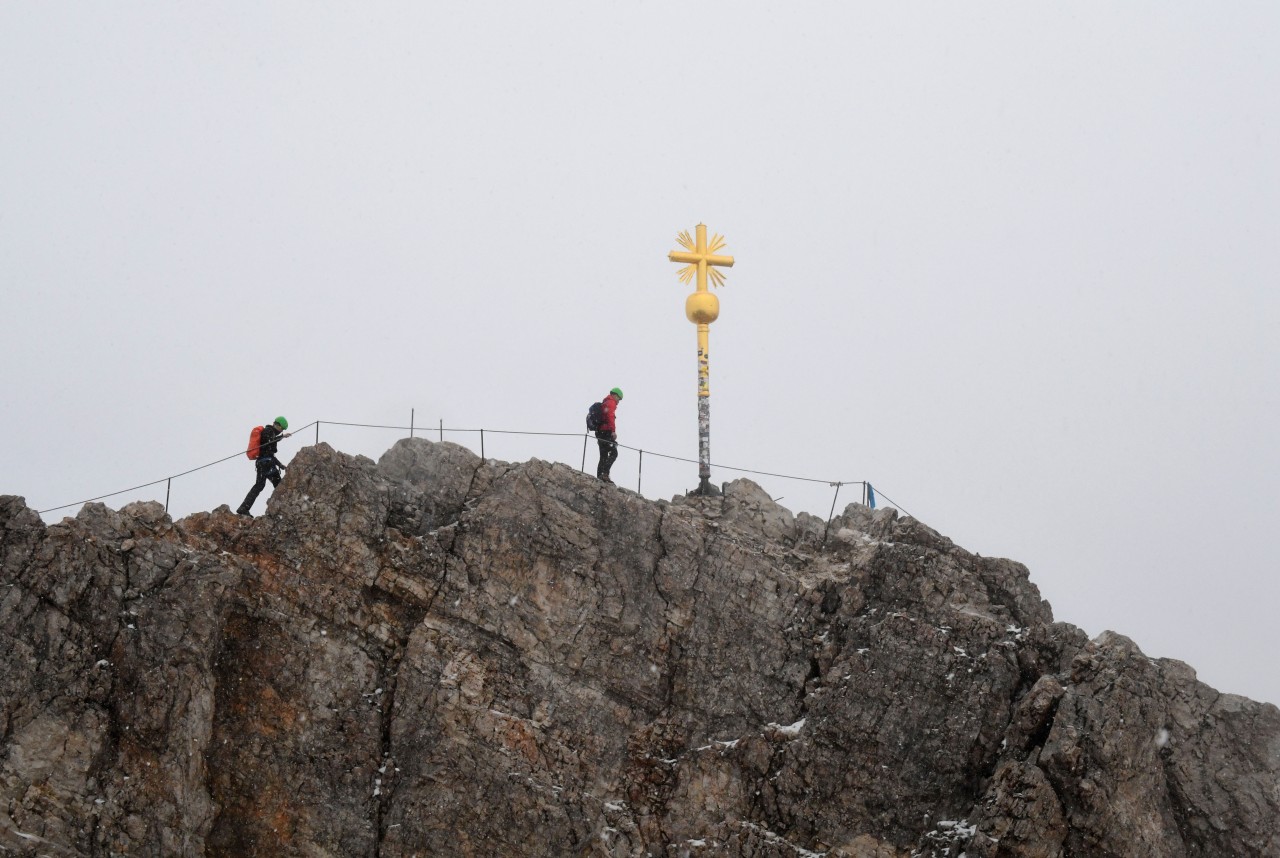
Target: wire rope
588, 435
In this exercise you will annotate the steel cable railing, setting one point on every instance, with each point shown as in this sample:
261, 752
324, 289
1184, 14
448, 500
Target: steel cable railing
868, 497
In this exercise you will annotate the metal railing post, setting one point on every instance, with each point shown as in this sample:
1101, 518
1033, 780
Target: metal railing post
481, 445
830, 514
168, 484
585, 438
640, 474
410, 422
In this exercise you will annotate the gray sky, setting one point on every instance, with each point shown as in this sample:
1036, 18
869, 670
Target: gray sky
1014, 263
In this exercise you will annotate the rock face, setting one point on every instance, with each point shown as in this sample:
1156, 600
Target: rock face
435, 655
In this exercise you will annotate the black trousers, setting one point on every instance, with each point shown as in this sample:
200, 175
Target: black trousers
608, 452
268, 469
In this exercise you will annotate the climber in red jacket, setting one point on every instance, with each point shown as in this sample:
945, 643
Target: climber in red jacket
607, 435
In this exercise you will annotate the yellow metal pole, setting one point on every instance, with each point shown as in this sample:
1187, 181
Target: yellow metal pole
704, 357
704, 412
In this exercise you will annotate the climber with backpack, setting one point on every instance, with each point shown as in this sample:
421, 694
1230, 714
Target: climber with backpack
262, 449
601, 420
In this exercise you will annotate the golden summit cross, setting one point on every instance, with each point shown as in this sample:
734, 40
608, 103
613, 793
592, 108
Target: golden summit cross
702, 308
701, 257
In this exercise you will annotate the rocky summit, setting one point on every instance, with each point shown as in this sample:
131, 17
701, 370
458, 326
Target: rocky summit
439, 655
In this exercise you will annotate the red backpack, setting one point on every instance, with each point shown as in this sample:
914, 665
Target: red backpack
255, 441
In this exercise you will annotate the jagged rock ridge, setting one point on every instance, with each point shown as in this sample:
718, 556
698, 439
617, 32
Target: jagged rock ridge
435, 655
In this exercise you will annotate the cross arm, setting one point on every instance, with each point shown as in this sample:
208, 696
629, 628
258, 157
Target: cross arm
694, 258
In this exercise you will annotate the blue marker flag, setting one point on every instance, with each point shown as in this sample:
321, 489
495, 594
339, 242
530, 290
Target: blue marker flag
871, 496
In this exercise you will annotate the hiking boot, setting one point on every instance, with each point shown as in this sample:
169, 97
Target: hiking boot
245, 513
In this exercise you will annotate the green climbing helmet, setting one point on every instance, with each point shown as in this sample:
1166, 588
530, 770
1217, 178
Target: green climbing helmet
617, 391
281, 422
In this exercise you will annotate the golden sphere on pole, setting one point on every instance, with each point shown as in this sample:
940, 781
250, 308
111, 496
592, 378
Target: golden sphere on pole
702, 308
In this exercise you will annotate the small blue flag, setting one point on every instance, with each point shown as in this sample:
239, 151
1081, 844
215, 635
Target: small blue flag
871, 496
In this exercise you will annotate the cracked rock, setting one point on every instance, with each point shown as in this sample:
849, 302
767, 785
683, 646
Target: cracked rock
439, 655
